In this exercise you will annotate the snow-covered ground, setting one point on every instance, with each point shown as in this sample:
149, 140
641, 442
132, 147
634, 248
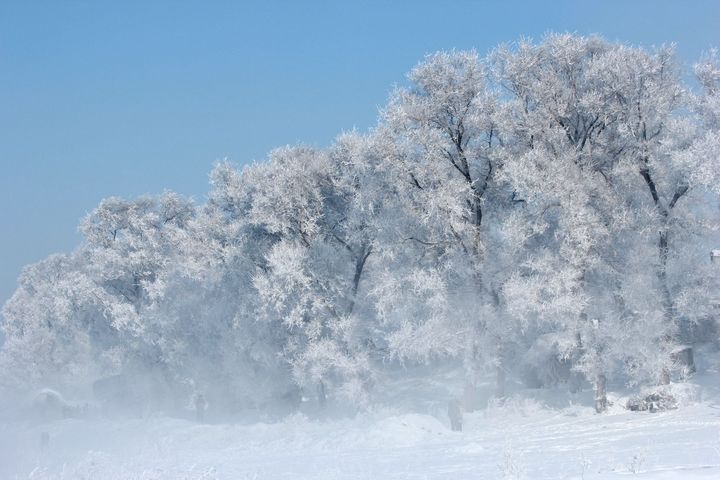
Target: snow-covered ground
526, 438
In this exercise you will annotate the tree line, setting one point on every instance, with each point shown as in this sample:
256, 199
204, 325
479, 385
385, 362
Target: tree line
545, 212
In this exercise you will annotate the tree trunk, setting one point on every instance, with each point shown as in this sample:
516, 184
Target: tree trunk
664, 377
667, 302
663, 250
357, 276
500, 373
576, 378
601, 402
455, 414
321, 396
477, 206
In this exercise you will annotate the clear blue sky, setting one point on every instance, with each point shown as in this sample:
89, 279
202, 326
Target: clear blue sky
124, 98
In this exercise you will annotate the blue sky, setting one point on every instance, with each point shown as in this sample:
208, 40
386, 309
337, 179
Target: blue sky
125, 98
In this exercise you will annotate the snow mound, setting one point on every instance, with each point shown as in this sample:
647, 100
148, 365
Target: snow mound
406, 430
686, 394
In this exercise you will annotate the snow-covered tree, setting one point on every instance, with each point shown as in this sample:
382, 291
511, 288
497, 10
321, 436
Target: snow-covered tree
442, 167
325, 235
128, 245
546, 211
55, 327
566, 160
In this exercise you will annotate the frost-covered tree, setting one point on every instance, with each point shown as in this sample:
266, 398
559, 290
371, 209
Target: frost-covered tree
443, 166
212, 341
566, 161
325, 235
697, 280
55, 327
669, 192
128, 245
547, 211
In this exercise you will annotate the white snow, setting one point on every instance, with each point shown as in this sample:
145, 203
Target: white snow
522, 439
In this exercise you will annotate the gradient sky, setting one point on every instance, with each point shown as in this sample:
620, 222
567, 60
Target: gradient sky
125, 98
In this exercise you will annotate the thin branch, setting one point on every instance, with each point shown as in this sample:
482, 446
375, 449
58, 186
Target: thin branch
681, 190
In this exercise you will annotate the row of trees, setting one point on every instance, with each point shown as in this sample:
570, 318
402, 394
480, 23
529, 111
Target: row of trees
550, 207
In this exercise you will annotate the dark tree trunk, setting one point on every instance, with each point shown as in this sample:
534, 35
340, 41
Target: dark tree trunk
662, 274
357, 276
664, 212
